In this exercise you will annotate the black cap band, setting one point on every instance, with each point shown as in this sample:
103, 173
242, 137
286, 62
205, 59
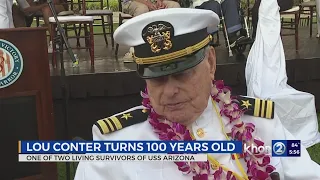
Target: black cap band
172, 67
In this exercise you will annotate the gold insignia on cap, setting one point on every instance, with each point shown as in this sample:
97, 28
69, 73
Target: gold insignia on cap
256, 107
158, 36
120, 121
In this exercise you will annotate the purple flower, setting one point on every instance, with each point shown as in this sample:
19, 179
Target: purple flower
265, 161
187, 136
203, 165
261, 175
247, 136
219, 84
270, 168
217, 174
181, 129
258, 155
163, 127
258, 142
154, 116
249, 127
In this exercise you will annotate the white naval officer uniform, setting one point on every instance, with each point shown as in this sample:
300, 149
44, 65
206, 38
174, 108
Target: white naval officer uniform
6, 20
180, 22
289, 168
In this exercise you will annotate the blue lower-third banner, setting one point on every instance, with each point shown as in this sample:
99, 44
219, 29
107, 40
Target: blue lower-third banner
58, 147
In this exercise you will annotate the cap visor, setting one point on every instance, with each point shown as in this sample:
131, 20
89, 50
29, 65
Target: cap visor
172, 67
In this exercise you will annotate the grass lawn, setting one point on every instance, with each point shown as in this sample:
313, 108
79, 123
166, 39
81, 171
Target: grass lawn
62, 171
314, 151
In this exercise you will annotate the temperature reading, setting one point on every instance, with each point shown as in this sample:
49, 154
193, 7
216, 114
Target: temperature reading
295, 148
295, 145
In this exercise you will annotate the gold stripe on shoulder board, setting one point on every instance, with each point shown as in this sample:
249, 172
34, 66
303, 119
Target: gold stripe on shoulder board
256, 107
123, 120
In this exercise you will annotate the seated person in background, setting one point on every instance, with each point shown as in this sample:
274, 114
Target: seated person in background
283, 4
183, 100
28, 7
231, 15
137, 7
23, 12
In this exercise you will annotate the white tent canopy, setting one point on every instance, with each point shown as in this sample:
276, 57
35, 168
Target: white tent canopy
266, 78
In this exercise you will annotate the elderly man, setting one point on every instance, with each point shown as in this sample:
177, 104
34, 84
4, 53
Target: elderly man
183, 101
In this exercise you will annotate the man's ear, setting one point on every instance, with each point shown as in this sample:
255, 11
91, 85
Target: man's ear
212, 61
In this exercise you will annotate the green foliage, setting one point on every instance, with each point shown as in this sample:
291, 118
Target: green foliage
314, 150
113, 5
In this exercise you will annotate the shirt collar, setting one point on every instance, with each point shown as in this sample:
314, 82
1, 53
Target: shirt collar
208, 123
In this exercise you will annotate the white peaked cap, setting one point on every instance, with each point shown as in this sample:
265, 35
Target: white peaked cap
184, 20
168, 41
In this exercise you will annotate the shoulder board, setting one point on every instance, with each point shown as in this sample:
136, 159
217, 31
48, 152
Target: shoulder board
120, 121
256, 107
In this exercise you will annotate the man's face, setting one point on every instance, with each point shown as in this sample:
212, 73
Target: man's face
183, 97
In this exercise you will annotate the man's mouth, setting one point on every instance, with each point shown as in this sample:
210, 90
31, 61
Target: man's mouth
175, 106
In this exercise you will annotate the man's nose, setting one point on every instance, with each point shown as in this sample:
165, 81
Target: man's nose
171, 87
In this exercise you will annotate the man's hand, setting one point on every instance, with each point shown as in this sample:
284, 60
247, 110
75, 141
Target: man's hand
160, 4
151, 6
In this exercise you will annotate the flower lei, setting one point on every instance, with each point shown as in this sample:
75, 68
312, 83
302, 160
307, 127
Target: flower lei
258, 167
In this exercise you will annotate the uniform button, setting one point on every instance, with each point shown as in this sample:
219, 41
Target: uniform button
200, 132
213, 166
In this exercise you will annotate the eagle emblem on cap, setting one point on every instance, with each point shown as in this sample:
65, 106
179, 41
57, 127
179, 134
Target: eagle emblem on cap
158, 35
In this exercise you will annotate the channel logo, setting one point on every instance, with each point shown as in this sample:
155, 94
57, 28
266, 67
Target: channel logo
286, 148
279, 148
